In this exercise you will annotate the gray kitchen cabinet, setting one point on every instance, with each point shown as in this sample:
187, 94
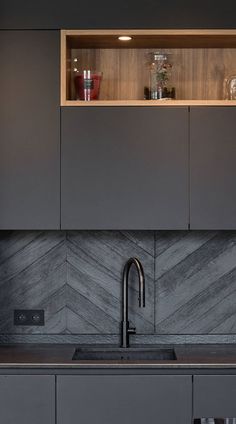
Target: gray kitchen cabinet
105, 399
29, 130
106, 14
124, 168
212, 168
27, 399
214, 396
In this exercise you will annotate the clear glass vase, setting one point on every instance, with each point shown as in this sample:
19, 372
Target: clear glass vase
159, 67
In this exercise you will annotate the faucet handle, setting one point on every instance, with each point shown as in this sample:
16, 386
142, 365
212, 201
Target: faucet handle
131, 330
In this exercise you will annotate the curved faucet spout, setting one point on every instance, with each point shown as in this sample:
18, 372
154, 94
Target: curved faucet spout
125, 329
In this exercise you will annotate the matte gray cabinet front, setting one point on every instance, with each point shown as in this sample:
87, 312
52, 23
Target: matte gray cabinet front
106, 399
106, 14
27, 399
214, 396
124, 168
213, 168
29, 130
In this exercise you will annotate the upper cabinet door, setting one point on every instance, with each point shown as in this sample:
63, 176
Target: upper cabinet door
124, 168
213, 168
29, 130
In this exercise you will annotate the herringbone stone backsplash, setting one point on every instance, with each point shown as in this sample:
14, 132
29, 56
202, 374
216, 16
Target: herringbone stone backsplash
75, 276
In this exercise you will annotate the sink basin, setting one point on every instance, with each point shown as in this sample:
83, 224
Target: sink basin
121, 354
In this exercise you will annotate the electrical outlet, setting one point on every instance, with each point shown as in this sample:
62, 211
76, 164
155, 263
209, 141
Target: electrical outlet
29, 317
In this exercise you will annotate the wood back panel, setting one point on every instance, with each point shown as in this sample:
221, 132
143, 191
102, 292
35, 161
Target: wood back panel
198, 74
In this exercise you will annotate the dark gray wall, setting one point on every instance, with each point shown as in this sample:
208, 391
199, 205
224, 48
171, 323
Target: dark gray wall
76, 278
31, 14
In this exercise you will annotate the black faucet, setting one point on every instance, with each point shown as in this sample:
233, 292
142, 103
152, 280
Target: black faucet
125, 328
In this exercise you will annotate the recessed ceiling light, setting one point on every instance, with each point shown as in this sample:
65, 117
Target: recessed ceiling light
124, 38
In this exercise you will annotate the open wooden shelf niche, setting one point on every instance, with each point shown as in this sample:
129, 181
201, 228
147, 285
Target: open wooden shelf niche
201, 59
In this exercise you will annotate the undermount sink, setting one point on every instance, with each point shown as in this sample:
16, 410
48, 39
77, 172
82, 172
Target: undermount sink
124, 354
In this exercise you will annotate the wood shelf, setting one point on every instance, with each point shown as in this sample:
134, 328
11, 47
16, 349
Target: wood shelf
150, 103
202, 59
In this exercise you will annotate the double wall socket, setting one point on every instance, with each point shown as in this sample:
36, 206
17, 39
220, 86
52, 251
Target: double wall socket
29, 317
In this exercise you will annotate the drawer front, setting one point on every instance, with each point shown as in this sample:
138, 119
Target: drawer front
27, 399
214, 396
126, 399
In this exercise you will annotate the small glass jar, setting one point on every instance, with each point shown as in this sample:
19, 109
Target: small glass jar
159, 68
230, 88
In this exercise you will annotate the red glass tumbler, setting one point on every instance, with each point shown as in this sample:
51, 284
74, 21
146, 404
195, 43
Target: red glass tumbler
87, 85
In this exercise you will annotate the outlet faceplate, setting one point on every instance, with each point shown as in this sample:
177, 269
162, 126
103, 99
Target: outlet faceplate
29, 317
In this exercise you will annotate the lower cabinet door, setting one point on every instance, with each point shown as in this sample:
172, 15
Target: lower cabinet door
27, 399
126, 399
214, 396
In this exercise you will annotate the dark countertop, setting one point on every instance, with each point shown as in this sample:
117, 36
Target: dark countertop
54, 356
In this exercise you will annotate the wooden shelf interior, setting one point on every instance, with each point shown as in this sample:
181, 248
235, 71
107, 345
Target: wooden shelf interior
201, 61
